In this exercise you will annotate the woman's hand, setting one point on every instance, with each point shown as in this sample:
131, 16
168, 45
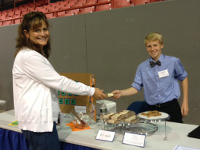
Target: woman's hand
98, 94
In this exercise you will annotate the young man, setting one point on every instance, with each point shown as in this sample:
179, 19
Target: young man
160, 76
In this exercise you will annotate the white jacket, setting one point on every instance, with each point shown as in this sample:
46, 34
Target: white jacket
34, 81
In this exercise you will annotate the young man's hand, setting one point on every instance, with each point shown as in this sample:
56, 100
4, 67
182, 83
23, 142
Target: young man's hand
117, 94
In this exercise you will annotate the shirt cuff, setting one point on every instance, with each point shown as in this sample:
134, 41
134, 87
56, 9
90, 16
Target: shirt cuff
91, 91
136, 86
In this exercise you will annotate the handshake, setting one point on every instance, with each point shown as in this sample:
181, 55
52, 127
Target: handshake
98, 94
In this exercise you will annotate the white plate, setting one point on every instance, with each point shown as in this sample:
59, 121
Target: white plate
163, 116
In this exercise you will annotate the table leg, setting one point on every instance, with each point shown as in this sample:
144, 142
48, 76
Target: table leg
165, 132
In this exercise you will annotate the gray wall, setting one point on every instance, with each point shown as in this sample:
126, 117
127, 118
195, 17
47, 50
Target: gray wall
110, 45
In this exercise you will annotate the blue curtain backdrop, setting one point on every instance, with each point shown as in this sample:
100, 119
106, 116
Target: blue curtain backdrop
10, 140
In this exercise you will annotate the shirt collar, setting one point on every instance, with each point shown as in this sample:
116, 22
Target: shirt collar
160, 59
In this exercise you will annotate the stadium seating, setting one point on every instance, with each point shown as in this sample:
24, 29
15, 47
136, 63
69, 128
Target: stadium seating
103, 7
122, 3
140, 2
64, 8
103, 1
17, 21
86, 10
91, 2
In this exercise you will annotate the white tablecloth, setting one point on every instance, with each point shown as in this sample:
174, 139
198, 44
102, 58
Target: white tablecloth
176, 133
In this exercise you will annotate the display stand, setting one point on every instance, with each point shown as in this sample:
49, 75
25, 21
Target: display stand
144, 125
155, 119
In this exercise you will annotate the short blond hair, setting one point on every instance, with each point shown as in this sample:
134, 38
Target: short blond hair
153, 36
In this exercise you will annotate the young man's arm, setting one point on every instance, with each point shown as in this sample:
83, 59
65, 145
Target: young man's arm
185, 106
127, 92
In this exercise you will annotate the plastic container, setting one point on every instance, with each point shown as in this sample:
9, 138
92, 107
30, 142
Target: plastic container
103, 109
83, 116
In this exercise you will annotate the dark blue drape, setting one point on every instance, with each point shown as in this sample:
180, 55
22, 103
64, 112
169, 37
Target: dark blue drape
11, 140
68, 146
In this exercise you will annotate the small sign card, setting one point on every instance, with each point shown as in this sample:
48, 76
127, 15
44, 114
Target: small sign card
105, 135
178, 147
134, 139
79, 109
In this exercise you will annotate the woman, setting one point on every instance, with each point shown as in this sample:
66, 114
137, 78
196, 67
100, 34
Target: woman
35, 83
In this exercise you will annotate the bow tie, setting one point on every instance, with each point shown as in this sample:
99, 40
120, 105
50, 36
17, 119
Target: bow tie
152, 64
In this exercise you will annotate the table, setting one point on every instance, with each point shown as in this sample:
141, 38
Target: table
176, 133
